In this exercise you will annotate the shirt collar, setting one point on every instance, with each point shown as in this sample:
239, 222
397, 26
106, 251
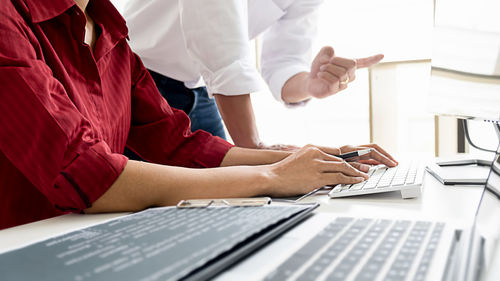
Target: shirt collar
105, 13
45, 10
102, 11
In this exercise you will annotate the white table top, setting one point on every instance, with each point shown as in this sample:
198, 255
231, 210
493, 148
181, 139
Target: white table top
455, 204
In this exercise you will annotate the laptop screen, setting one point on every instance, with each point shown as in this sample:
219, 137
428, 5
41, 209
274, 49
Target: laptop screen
486, 235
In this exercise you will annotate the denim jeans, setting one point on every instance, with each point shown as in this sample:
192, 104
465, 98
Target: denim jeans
201, 109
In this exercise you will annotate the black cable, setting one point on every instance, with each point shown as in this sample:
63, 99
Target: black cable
466, 131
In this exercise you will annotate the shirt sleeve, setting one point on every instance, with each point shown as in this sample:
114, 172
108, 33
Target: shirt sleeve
44, 135
216, 36
287, 44
161, 134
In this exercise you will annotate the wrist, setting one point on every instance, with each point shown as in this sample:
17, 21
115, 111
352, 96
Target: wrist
269, 180
238, 156
295, 89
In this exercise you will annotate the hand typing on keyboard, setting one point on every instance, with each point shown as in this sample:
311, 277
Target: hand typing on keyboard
296, 170
376, 156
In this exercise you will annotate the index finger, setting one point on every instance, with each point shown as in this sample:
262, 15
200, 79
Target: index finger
381, 150
369, 61
376, 155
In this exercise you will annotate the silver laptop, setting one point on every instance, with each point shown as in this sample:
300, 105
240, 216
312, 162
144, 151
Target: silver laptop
346, 248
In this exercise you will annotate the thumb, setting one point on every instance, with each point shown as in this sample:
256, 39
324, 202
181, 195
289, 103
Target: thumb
326, 53
369, 61
323, 56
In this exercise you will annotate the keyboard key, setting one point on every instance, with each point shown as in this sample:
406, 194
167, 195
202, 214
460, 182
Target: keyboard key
398, 181
345, 187
384, 183
357, 186
370, 185
337, 188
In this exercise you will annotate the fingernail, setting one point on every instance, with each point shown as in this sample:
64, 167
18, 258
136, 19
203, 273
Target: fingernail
360, 179
322, 68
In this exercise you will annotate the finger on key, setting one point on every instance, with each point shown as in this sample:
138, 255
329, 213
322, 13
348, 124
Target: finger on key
376, 155
381, 150
343, 167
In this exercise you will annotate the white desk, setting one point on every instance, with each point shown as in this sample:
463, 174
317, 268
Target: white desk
456, 204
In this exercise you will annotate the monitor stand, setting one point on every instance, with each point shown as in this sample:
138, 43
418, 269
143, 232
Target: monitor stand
463, 171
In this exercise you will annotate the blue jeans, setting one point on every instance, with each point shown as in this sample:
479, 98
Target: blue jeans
201, 109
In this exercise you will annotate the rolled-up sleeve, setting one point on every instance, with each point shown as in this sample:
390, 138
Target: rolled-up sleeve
161, 134
287, 45
216, 37
44, 135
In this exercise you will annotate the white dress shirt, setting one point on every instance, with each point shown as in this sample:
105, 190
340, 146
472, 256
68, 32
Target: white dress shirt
207, 41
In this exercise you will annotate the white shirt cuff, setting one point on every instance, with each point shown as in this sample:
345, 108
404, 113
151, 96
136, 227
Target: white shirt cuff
279, 77
234, 79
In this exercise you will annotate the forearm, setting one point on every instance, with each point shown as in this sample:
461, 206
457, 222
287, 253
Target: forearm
295, 89
237, 156
143, 185
237, 113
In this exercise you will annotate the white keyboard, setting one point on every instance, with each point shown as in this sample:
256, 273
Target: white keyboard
406, 177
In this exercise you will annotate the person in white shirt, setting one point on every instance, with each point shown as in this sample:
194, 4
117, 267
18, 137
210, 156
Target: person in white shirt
198, 49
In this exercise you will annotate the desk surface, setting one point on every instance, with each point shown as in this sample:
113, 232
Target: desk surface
453, 204
456, 204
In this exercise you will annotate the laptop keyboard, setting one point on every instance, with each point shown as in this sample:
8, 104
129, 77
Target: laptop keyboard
155, 244
364, 250
406, 177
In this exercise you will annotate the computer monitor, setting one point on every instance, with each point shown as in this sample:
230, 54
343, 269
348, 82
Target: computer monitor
465, 74
484, 241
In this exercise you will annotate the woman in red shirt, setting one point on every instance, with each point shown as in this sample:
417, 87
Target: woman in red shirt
74, 95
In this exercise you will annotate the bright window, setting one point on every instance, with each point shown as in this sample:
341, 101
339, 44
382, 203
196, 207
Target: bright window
400, 29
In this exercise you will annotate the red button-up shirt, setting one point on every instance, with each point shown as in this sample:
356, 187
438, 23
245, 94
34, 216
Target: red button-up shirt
67, 113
